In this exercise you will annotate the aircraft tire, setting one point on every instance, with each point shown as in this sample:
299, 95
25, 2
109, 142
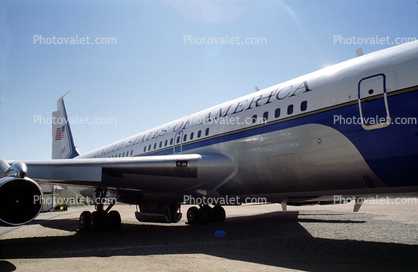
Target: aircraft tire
193, 215
84, 221
220, 214
206, 214
96, 221
114, 220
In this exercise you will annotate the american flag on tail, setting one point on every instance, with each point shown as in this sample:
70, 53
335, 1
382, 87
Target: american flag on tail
60, 133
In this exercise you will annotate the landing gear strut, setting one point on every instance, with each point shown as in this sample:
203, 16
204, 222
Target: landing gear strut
205, 214
100, 219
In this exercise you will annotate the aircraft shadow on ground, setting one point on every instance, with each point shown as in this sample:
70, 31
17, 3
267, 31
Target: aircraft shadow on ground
275, 239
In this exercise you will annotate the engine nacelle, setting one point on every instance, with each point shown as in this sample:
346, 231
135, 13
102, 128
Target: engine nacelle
20, 200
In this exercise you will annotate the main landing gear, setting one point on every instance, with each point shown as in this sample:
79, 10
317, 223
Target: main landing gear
205, 214
100, 219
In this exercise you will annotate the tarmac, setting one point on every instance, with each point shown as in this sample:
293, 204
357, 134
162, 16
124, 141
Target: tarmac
380, 237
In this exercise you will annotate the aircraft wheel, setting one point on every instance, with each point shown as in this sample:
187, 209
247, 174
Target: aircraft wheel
114, 220
84, 221
96, 221
220, 214
205, 214
193, 215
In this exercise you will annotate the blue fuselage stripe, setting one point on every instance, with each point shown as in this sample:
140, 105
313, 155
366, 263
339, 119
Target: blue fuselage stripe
388, 151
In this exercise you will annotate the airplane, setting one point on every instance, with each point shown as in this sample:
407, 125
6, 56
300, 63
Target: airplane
346, 130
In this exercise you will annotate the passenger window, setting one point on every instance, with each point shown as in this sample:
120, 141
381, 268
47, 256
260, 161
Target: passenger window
199, 133
207, 132
265, 116
303, 106
149, 147
155, 145
191, 135
185, 138
277, 113
165, 143
171, 141
161, 144
132, 152
178, 140
145, 148
254, 118
290, 109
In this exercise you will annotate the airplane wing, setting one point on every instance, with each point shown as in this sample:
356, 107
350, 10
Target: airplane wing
163, 174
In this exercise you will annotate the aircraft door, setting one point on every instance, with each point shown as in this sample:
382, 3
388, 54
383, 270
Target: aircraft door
372, 101
178, 143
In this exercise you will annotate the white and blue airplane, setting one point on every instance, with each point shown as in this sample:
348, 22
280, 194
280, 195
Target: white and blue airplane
348, 130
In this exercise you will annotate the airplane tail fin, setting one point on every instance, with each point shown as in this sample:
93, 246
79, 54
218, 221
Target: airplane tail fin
63, 146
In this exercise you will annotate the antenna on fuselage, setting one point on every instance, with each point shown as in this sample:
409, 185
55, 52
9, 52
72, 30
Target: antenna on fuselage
359, 52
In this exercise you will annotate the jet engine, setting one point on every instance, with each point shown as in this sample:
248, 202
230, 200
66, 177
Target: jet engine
20, 197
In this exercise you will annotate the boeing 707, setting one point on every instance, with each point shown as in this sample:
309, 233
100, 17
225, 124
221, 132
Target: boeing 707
346, 130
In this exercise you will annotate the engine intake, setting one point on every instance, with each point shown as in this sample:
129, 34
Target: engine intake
20, 200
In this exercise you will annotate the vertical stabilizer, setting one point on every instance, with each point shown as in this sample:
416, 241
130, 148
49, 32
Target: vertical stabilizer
63, 146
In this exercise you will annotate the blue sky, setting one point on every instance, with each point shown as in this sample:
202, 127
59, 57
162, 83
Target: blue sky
151, 75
